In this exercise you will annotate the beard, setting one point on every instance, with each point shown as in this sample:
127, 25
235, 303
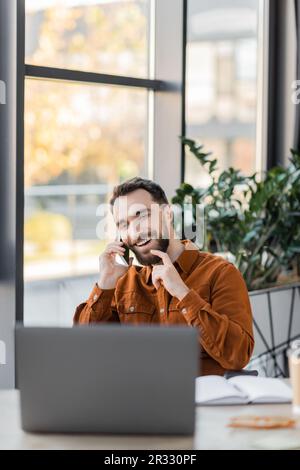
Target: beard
143, 253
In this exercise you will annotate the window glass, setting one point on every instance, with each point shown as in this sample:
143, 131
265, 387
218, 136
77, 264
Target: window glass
80, 140
222, 83
104, 36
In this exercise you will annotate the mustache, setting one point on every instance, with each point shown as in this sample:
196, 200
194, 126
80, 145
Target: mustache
143, 237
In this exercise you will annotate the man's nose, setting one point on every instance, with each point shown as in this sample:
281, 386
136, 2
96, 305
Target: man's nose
132, 234
132, 237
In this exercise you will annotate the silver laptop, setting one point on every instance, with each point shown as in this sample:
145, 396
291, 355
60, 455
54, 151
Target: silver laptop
107, 379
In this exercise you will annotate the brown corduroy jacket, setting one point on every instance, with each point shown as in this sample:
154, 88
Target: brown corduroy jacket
217, 304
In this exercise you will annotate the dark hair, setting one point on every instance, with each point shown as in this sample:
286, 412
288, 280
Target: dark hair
133, 184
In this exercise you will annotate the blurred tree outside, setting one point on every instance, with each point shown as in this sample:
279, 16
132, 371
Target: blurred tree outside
43, 229
105, 120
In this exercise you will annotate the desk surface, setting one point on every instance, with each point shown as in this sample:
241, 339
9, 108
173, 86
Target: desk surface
211, 432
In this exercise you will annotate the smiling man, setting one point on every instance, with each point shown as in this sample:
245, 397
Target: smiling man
176, 284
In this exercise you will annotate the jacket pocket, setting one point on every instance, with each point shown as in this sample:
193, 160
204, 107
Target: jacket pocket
135, 308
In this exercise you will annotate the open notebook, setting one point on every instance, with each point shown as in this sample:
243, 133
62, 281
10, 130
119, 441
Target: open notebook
216, 390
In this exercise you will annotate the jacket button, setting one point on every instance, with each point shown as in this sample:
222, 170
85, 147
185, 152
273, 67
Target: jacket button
184, 310
162, 310
131, 309
95, 297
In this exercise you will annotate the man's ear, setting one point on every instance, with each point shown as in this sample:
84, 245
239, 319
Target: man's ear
168, 220
169, 213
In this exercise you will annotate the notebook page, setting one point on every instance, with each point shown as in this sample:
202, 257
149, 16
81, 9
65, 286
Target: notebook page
263, 389
214, 389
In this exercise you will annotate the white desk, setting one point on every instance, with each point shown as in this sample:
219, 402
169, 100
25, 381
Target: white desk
211, 432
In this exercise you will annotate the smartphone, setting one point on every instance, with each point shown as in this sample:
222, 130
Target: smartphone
125, 258
126, 253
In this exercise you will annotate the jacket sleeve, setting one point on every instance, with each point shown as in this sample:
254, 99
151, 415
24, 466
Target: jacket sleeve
225, 324
100, 307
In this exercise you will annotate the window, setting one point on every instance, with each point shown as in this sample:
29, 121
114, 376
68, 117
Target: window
105, 36
81, 138
80, 141
221, 83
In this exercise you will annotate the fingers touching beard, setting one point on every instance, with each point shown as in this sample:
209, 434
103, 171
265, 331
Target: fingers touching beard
146, 258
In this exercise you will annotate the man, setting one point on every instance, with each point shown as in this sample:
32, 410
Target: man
176, 285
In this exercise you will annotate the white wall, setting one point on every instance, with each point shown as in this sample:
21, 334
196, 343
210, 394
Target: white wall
167, 107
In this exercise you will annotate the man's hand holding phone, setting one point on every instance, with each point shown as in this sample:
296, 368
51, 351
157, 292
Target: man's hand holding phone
110, 270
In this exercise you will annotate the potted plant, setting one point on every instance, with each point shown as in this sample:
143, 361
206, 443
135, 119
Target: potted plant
255, 221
